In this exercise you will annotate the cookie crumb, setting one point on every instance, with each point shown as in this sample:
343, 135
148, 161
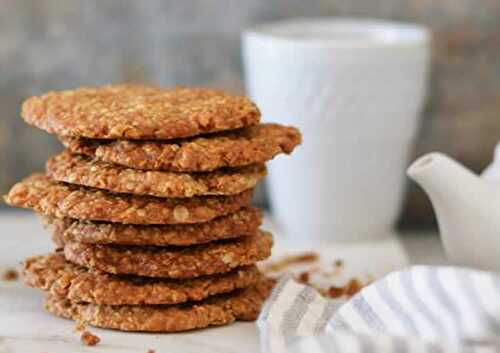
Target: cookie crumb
10, 274
303, 277
353, 287
313, 274
335, 292
287, 261
89, 339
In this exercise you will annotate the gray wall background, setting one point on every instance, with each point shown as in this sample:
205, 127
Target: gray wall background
58, 44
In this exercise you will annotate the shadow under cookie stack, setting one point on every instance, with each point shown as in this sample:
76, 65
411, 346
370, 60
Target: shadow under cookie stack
149, 206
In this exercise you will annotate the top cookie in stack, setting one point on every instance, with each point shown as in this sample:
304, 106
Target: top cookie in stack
150, 205
139, 112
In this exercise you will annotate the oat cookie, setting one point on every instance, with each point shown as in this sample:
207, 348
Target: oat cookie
244, 222
76, 169
64, 200
219, 310
178, 262
52, 273
138, 112
256, 144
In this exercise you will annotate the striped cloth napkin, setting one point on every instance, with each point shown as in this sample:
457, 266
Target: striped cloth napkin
422, 309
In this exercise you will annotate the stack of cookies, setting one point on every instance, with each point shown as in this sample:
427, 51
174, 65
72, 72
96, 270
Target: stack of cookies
149, 206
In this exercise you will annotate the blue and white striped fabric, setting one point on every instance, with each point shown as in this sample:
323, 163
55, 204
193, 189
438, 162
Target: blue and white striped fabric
423, 309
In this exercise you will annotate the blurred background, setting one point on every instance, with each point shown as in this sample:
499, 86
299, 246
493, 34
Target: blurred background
52, 45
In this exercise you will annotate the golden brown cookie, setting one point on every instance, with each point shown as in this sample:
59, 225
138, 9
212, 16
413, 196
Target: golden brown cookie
183, 262
80, 170
138, 112
51, 198
244, 222
256, 144
52, 273
223, 309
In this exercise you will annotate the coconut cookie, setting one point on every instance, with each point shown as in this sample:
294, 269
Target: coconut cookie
80, 170
255, 144
244, 222
138, 112
223, 309
51, 198
193, 261
52, 273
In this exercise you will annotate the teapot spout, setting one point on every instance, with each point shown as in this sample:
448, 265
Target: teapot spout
443, 178
463, 204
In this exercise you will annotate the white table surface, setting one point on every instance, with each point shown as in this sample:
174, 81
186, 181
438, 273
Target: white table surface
25, 327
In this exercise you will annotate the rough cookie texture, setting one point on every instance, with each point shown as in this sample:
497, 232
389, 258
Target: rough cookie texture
244, 222
193, 261
52, 273
64, 200
76, 169
138, 112
256, 144
223, 309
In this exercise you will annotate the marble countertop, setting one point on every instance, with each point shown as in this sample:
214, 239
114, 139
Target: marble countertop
25, 327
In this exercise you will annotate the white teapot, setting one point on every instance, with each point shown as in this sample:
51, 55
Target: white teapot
467, 207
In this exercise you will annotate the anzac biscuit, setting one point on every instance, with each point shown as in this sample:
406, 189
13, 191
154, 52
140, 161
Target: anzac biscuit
64, 200
52, 273
256, 144
138, 112
76, 169
244, 222
223, 309
184, 262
